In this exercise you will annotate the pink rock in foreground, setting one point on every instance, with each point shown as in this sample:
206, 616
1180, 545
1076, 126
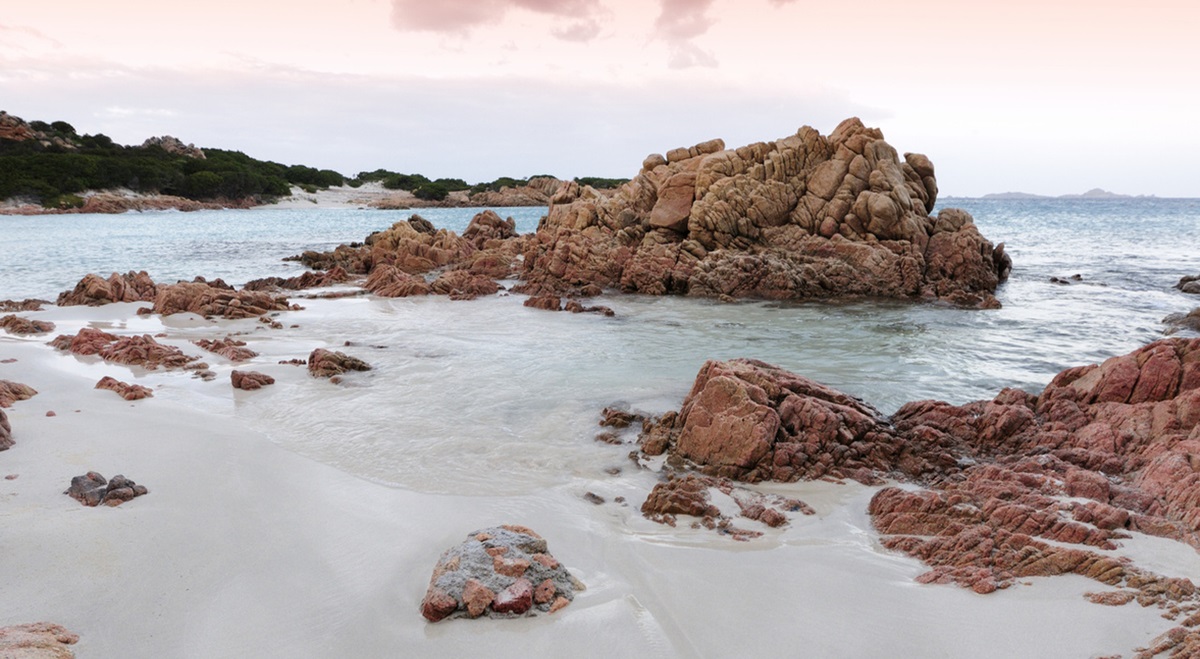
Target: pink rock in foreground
492, 573
250, 380
38, 640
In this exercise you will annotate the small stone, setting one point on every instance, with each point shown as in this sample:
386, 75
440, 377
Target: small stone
438, 604
476, 597
545, 592
516, 599
559, 604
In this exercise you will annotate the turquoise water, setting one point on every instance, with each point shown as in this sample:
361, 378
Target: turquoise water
463, 391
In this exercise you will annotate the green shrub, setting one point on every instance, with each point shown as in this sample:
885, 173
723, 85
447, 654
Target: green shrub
431, 192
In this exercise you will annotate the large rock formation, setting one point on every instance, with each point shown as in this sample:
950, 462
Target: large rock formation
11, 392
1021, 485
806, 216
124, 389
503, 572
210, 299
94, 290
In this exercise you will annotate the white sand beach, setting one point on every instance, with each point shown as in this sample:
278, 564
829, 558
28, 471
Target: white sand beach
242, 548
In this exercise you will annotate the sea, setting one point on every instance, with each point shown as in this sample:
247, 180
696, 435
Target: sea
488, 395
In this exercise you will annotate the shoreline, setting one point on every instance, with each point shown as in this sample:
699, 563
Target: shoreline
245, 547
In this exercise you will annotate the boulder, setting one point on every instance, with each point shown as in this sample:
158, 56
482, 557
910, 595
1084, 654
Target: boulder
250, 380
1183, 321
6, 440
124, 389
11, 392
312, 279
14, 324
1189, 284
390, 281
29, 304
494, 573
91, 489
39, 640
463, 285
94, 290
324, 363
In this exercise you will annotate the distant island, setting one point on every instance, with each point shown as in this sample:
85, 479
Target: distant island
1094, 193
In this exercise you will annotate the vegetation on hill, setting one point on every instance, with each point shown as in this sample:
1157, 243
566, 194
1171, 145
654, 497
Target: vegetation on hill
52, 164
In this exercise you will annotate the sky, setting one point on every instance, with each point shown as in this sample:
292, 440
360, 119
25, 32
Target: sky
1040, 96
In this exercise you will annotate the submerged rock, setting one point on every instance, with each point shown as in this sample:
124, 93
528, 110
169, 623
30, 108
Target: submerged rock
250, 380
28, 304
503, 572
38, 640
228, 347
1183, 321
91, 489
1189, 284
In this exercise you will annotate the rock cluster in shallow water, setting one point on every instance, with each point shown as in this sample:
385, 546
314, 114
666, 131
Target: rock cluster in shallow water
1018, 486
324, 363
250, 380
134, 350
124, 389
501, 572
14, 324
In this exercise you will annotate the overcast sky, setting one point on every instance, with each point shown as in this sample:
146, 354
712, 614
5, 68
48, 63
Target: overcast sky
1044, 96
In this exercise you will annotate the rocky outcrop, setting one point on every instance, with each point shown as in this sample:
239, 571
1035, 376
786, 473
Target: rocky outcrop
14, 324
134, 350
463, 285
91, 489
124, 389
997, 490
94, 290
11, 392
1189, 284
538, 191
174, 146
390, 281
250, 380
38, 640
228, 347
210, 300
324, 363
311, 279
751, 421
806, 216
502, 572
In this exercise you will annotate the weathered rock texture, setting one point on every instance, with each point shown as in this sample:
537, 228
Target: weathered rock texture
228, 347
124, 389
38, 640
213, 299
28, 304
1021, 485
94, 290
1189, 284
310, 279
11, 392
135, 350
91, 489
689, 494
503, 571
324, 363
6, 440
174, 146
806, 216
250, 380
14, 324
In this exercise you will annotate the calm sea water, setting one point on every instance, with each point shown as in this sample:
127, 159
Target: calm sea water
464, 391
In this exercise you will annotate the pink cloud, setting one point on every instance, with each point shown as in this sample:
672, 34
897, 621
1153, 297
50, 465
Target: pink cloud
459, 16
679, 22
